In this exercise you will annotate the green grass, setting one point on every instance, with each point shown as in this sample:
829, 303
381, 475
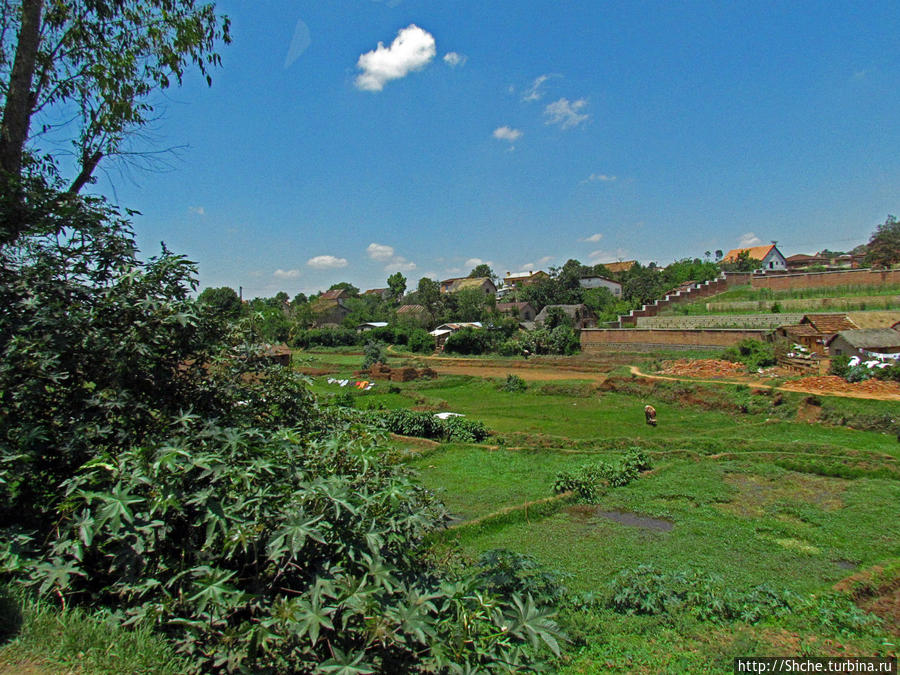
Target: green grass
724, 481
38, 638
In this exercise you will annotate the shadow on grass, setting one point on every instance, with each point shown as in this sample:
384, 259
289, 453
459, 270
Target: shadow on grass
11, 618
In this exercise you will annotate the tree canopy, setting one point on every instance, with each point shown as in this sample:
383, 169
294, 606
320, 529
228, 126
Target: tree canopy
883, 249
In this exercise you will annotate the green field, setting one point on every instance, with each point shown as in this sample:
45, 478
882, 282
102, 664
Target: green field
749, 499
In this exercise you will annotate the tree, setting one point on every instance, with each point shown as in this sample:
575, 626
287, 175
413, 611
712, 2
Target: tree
352, 290
883, 249
101, 60
397, 285
223, 301
483, 270
428, 294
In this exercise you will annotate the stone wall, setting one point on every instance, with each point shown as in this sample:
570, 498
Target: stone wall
599, 339
753, 321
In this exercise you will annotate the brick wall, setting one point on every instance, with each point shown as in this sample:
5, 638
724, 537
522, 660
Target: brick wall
599, 339
751, 321
826, 279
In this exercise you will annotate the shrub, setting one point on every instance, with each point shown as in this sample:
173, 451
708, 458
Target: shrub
754, 354
420, 341
587, 481
373, 353
514, 383
469, 341
426, 425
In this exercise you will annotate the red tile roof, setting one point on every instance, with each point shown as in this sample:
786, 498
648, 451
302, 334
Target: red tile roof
756, 253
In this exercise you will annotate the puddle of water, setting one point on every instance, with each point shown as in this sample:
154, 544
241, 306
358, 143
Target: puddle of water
844, 564
634, 520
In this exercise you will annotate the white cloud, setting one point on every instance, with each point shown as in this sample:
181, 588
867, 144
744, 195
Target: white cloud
198, 210
454, 59
286, 274
749, 239
326, 262
507, 134
608, 256
546, 259
411, 50
594, 238
533, 93
475, 262
400, 264
601, 177
380, 251
566, 113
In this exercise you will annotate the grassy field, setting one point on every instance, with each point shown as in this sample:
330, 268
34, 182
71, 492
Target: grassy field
747, 491
750, 499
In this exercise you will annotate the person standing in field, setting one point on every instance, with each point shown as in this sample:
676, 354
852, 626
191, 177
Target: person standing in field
650, 415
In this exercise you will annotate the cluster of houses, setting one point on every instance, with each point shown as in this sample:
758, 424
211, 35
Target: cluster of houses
822, 335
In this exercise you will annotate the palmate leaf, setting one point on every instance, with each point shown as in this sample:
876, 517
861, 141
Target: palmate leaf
214, 589
310, 617
535, 622
292, 536
116, 506
346, 664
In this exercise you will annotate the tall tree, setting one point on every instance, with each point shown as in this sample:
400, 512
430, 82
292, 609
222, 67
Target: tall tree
397, 283
86, 68
883, 249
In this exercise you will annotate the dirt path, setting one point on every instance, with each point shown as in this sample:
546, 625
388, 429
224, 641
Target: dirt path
792, 387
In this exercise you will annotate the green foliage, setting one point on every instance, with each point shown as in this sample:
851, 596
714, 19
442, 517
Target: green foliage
397, 285
426, 425
373, 353
646, 590
469, 341
588, 480
420, 341
222, 300
754, 354
324, 337
883, 249
514, 383
840, 366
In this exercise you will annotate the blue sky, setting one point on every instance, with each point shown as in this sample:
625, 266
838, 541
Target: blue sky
347, 139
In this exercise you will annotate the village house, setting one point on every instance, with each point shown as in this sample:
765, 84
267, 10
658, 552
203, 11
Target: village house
870, 343
328, 309
382, 293
620, 266
802, 261
369, 325
415, 314
482, 284
523, 311
445, 330
613, 287
580, 315
768, 257
814, 330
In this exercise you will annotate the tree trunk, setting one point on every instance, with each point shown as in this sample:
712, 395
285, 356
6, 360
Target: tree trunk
19, 98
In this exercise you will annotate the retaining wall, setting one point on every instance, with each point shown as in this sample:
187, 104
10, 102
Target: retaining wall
752, 321
825, 279
600, 339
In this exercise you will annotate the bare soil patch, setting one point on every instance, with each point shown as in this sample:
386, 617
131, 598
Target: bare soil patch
831, 384
585, 513
703, 368
756, 493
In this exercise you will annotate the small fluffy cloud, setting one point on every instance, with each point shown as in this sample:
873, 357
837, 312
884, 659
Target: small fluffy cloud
598, 177
533, 93
286, 274
546, 259
453, 59
197, 210
475, 262
749, 239
507, 134
380, 252
411, 50
400, 264
323, 262
594, 238
566, 113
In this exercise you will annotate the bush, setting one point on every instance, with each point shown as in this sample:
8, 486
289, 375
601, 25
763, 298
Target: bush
421, 341
514, 383
426, 425
754, 354
469, 341
325, 337
373, 353
587, 481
